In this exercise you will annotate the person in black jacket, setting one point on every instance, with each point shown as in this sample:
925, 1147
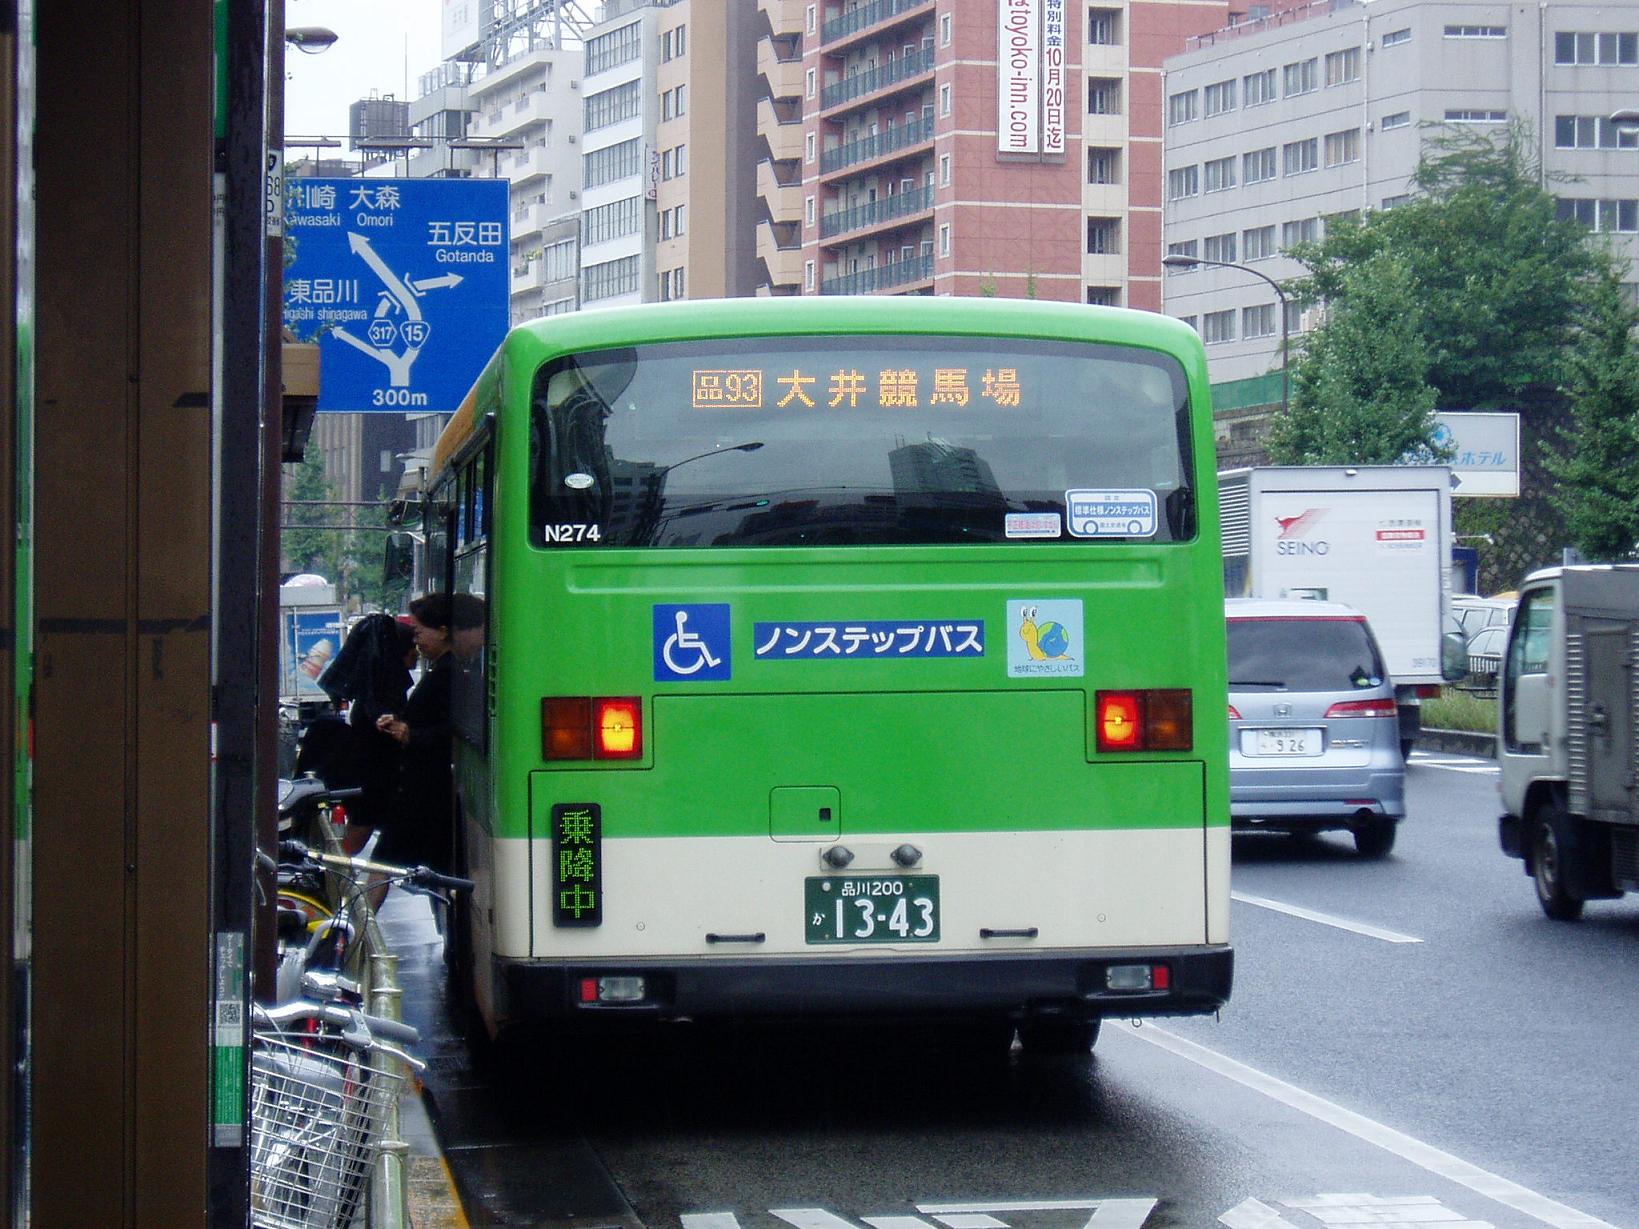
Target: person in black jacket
419, 829
371, 676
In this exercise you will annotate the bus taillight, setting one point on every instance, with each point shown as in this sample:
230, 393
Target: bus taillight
619, 728
588, 728
1156, 720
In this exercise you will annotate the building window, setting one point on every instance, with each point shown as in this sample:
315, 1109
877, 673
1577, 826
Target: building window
1592, 132
1608, 48
944, 99
1343, 66
1218, 98
808, 273
1259, 87
813, 18
613, 49
1182, 182
678, 228
1394, 202
1258, 321
811, 82
1103, 164
681, 162
611, 278
612, 106
1604, 216
1219, 247
1400, 119
1342, 147
1103, 236
944, 239
1218, 326
1259, 165
1181, 108
1476, 32
1191, 321
560, 260
611, 221
808, 148
1103, 26
1258, 243
944, 30
1103, 96
1300, 78
1395, 37
612, 162
1476, 116
1218, 174
1299, 156
808, 210
1306, 231
1104, 296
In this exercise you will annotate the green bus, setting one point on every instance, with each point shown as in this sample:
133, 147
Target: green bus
838, 659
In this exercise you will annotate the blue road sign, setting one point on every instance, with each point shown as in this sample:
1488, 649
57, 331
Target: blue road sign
404, 284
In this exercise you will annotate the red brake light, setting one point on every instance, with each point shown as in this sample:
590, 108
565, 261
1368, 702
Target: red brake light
1363, 708
1155, 720
618, 728
1233, 715
1120, 721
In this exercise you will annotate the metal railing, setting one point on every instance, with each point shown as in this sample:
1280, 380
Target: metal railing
895, 273
878, 78
862, 149
867, 15
885, 209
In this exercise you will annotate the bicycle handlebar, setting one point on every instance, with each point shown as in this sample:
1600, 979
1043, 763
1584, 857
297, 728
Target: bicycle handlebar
358, 1028
421, 876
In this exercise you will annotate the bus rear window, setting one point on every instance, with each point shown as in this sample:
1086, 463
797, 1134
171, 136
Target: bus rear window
794, 441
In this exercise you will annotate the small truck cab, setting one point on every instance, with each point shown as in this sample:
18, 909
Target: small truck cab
1568, 735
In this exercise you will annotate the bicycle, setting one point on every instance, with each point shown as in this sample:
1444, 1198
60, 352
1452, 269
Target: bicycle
323, 1078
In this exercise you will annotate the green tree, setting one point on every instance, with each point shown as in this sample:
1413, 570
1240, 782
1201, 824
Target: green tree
1596, 462
311, 549
1361, 395
350, 558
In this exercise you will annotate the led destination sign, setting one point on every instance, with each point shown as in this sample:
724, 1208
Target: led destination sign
849, 388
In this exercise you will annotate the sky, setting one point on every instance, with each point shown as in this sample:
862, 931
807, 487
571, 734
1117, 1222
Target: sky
375, 39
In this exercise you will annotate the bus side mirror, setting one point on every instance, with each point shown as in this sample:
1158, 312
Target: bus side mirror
399, 564
1453, 657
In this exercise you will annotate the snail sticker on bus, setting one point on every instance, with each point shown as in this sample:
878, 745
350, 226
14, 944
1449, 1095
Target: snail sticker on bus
402, 283
1110, 514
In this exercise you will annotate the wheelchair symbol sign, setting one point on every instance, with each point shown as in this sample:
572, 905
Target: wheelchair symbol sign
691, 644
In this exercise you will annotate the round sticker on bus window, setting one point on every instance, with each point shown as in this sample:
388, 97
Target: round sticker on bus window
578, 481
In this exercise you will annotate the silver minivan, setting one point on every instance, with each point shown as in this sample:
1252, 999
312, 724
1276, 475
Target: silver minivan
1314, 736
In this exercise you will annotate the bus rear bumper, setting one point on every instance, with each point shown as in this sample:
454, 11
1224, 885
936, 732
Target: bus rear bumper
1020, 985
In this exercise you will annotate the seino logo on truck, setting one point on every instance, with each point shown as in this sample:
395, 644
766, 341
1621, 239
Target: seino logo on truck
1291, 539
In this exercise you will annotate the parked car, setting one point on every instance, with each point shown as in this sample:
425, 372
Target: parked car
1314, 737
1475, 614
1485, 651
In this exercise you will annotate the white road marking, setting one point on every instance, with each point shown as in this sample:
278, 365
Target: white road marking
1425, 1156
1325, 919
710, 1220
1254, 1214
812, 1218
1407, 1211
971, 1220
1454, 765
896, 1222
1106, 1213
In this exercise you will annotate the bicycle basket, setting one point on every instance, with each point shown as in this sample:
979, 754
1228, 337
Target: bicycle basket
316, 1114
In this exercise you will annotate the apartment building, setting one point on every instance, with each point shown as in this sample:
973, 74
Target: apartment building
1275, 126
974, 148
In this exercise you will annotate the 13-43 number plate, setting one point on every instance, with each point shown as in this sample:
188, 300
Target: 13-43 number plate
872, 908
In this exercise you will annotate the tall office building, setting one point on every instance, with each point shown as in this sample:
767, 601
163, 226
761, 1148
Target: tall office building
1277, 125
974, 148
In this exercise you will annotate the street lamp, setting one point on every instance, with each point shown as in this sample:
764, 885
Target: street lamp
1626, 118
311, 39
1179, 261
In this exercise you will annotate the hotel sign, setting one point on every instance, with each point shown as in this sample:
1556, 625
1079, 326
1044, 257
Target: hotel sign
1030, 85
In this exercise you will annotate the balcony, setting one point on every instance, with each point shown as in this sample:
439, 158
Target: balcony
885, 210
866, 15
878, 78
883, 277
864, 149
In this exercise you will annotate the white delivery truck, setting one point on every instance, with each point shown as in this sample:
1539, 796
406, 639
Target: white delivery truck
1568, 735
1375, 537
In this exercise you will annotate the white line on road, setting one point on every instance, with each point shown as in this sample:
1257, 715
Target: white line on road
1425, 1156
1325, 919
1483, 767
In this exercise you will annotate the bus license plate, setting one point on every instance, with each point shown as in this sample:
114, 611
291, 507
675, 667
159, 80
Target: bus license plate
1288, 742
872, 908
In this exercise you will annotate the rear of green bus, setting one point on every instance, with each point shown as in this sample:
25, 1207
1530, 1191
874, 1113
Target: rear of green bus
851, 659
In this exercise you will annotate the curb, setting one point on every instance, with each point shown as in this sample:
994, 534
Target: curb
1458, 742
